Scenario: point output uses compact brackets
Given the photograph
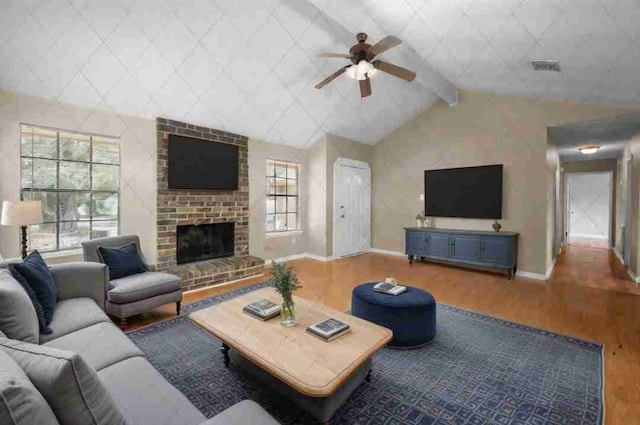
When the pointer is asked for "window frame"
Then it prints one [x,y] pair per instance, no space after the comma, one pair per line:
[25,128]
[286,196]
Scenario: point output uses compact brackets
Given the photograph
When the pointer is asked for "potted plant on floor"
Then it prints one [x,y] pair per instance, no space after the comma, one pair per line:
[285,282]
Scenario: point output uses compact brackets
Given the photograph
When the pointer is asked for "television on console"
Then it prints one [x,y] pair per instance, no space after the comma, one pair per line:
[201,164]
[469,192]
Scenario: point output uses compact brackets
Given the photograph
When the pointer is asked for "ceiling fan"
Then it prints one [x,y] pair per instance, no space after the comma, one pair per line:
[363,64]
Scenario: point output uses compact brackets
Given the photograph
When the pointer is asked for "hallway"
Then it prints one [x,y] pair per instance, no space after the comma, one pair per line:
[596,268]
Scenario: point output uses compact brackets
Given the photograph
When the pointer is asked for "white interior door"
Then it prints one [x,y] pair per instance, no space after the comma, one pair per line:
[352,208]
[589,208]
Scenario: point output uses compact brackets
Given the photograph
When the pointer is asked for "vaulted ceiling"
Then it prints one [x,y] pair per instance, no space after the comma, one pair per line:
[249,66]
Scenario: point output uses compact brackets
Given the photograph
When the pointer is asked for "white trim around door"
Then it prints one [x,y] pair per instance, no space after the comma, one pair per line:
[351,207]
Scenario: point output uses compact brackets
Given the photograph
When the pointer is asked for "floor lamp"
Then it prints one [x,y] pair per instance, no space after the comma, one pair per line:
[23,214]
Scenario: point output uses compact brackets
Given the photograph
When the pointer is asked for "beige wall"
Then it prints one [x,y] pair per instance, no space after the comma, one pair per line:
[482,129]
[316,200]
[137,170]
[631,151]
[321,158]
[586,167]
[284,245]
[553,181]
[340,147]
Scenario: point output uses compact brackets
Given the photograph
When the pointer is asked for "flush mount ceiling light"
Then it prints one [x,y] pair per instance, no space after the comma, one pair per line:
[588,149]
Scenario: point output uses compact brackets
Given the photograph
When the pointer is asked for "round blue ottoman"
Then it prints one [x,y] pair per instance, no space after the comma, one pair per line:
[411,315]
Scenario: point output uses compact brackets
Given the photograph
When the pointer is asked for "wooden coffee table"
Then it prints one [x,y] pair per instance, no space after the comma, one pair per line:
[313,368]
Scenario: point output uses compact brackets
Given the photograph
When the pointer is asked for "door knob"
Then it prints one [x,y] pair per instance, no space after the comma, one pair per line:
[342,216]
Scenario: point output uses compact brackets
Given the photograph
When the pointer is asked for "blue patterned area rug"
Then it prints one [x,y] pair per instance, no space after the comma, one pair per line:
[478,370]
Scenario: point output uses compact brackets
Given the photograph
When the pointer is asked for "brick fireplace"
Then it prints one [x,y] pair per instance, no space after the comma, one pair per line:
[186,213]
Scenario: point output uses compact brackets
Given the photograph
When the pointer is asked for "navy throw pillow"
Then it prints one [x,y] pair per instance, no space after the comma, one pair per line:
[37,274]
[122,261]
[44,328]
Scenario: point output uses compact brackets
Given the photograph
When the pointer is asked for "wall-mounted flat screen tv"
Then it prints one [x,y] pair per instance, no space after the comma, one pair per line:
[201,164]
[470,192]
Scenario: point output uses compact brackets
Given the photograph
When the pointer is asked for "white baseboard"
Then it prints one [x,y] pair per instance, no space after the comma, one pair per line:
[630,272]
[632,275]
[615,251]
[320,258]
[529,275]
[589,236]
[551,266]
[287,258]
[388,252]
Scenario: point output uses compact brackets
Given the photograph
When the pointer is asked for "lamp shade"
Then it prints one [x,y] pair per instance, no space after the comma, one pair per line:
[21,213]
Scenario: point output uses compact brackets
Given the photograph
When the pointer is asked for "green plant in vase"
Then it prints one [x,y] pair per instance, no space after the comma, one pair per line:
[285,282]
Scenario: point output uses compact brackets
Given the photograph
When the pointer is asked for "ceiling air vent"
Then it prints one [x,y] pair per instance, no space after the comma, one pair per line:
[546,66]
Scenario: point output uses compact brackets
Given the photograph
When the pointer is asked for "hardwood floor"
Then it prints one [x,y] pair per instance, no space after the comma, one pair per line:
[588,296]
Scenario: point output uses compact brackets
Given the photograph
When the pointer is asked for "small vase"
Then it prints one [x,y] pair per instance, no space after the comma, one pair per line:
[496,226]
[287,312]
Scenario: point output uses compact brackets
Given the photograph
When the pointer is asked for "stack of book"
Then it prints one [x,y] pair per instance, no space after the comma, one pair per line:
[329,329]
[262,309]
[389,288]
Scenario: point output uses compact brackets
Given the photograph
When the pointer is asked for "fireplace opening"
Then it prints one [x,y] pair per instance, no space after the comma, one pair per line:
[204,242]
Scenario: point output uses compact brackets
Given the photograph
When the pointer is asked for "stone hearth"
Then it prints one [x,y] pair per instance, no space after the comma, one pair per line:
[214,272]
[186,207]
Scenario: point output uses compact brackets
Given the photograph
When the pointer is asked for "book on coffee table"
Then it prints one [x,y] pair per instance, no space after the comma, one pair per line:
[389,288]
[329,329]
[262,309]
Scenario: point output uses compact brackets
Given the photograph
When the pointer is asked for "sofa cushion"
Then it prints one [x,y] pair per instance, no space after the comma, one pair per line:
[74,314]
[145,397]
[20,401]
[122,261]
[42,322]
[142,286]
[100,345]
[18,319]
[245,412]
[37,274]
[69,385]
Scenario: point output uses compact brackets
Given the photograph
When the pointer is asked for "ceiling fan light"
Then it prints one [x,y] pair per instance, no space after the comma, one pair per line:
[352,72]
[360,71]
[588,149]
[365,68]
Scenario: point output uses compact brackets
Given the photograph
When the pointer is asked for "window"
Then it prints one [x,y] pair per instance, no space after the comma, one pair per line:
[283,211]
[77,178]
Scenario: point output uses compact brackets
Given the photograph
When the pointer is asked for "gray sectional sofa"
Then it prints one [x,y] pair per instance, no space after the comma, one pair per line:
[80,327]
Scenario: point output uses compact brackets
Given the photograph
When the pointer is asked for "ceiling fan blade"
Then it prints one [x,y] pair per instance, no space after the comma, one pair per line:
[395,70]
[384,45]
[331,77]
[335,55]
[365,87]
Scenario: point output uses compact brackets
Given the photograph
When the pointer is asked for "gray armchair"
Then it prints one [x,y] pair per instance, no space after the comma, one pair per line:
[137,293]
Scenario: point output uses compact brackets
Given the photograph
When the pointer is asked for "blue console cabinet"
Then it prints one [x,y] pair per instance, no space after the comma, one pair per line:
[496,251]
